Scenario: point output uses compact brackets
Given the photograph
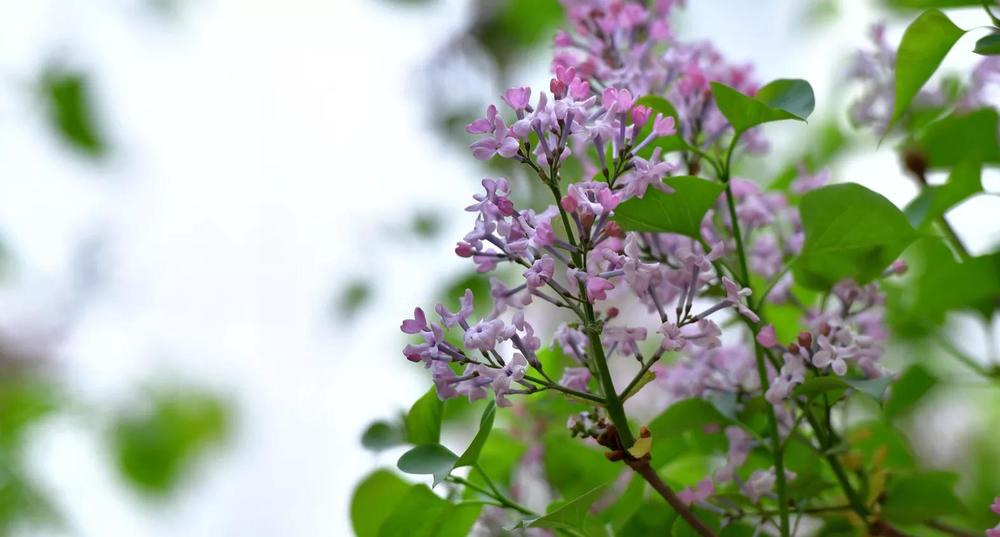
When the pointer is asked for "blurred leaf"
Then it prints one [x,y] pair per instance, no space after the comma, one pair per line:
[681,528]
[510,27]
[850,232]
[962,136]
[22,504]
[499,457]
[971,284]
[874,388]
[157,443]
[925,43]
[426,224]
[374,498]
[881,444]
[667,429]
[383,435]
[423,421]
[678,212]
[477,282]
[935,200]
[428,459]
[650,518]
[909,390]
[918,497]
[563,459]
[68,98]
[421,513]
[471,455]
[354,296]
[776,101]
[988,45]
[24,400]
[570,515]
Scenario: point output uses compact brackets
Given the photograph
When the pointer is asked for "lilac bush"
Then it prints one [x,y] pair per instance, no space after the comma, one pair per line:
[655,282]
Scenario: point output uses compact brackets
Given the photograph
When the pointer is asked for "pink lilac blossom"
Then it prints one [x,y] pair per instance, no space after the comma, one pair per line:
[573,256]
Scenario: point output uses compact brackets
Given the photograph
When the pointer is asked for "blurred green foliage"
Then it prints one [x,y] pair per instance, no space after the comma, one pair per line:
[157,442]
[25,400]
[352,298]
[69,100]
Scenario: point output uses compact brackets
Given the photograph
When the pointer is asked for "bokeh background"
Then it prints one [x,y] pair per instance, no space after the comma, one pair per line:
[213,214]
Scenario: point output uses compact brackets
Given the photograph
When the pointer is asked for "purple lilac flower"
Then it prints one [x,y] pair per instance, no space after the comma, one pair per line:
[699,493]
[576,378]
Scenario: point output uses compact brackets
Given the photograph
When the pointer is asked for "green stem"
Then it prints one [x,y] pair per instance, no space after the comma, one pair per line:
[612,402]
[496,495]
[838,470]
[772,418]
[737,235]
[563,389]
[776,448]
[627,392]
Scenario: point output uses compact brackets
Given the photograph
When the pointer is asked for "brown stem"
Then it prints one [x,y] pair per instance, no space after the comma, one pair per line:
[643,468]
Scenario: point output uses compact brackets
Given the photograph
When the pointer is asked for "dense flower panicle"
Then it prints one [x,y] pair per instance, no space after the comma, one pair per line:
[639,295]
[876,70]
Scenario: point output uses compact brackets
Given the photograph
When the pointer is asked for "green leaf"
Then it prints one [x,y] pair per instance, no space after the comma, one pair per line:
[650,518]
[925,43]
[669,428]
[778,100]
[352,298]
[570,515]
[679,212]
[423,421]
[970,284]
[563,458]
[471,454]
[850,232]
[421,513]
[907,392]
[881,444]
[428,459]
[68,98]
[158,444]
[818,385]
[382,435]
[374,498]
[934,201]
[961,137]
[989,45]
[681,528]
[874,388]
[919,497]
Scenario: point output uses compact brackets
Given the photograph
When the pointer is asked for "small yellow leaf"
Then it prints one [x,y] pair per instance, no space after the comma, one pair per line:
[641,447]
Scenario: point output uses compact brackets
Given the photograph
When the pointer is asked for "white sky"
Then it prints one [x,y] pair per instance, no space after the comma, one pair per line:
[263,152]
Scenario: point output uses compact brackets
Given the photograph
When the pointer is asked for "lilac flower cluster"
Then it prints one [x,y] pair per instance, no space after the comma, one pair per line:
[629,45]
[875,70]
[636,295]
